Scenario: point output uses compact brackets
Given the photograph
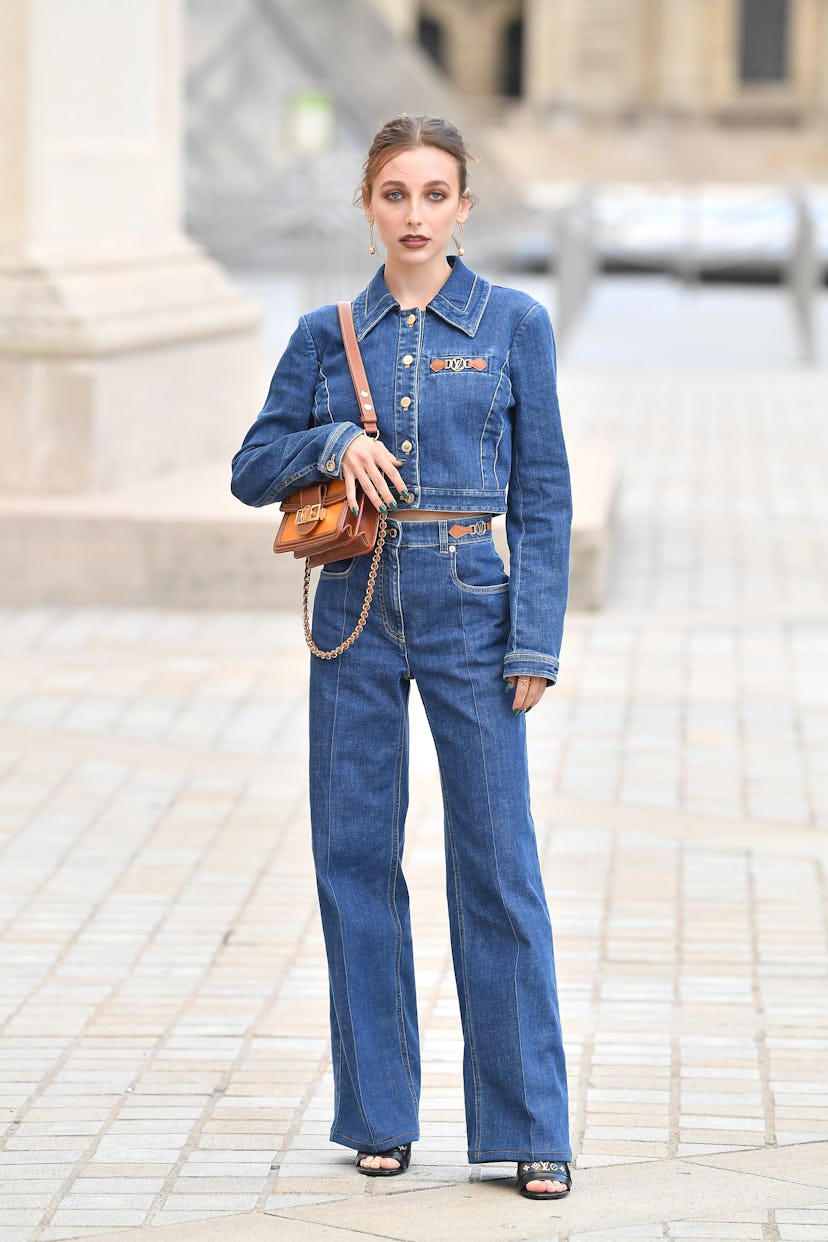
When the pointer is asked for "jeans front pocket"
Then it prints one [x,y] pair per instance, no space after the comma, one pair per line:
[476,567]
[339,569]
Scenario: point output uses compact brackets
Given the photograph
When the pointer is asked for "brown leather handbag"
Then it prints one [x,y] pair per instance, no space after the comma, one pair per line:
[318,523]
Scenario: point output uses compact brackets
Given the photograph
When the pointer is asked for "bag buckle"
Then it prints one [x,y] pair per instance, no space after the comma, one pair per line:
[310,513]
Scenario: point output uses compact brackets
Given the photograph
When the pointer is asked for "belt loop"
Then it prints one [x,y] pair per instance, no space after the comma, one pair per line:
[444,535]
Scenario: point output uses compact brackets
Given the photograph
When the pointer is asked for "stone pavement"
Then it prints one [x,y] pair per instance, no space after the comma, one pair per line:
[163,1004]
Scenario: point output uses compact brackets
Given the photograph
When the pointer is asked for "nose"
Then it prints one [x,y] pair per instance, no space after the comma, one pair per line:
[414,213]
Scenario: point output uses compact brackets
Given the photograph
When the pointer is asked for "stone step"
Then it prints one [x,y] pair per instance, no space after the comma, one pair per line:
[184,541]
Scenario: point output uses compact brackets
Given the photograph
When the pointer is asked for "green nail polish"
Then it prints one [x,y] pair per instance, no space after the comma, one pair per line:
[394,504]
[355,510]
[383,508]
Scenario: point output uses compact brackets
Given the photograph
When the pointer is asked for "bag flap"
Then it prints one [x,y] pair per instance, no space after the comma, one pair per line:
[313,494]
[328,492]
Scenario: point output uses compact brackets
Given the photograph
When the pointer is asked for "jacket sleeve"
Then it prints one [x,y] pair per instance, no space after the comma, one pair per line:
[538,505]
[286,448]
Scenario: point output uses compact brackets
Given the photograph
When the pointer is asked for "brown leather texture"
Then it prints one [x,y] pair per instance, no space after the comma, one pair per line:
[478,528]
[318,524]
[360,380]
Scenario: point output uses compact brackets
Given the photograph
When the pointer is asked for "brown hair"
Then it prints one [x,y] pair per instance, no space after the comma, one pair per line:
[404,133]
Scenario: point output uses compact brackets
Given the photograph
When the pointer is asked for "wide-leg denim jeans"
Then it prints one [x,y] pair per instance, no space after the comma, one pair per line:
[440,616]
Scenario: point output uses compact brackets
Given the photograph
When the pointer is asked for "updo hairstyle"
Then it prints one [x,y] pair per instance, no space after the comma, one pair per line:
[405,133]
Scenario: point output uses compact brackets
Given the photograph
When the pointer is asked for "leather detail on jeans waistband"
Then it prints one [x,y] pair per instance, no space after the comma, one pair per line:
[479,528]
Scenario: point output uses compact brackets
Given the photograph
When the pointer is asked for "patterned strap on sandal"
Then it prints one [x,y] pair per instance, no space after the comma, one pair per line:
[543,1171]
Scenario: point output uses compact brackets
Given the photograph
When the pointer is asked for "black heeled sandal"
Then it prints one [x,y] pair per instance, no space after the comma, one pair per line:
[543,1171]
[403,1154]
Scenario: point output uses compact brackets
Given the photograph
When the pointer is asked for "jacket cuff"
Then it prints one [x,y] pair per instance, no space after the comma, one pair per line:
[330,459]
[531,664]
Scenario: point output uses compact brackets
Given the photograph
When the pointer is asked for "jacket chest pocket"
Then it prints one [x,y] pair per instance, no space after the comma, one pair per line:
[462,406]
[470,379]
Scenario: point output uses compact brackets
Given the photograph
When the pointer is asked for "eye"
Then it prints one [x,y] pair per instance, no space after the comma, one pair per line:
[394,196]
[436,195]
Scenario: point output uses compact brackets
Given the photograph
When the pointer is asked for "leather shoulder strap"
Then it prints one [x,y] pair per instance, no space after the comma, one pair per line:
[363,393]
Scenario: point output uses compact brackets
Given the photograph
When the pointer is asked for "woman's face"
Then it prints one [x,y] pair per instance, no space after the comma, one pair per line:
[415,203]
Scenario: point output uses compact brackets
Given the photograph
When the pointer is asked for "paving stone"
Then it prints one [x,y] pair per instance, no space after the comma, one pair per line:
[102,1217]
[211,1202]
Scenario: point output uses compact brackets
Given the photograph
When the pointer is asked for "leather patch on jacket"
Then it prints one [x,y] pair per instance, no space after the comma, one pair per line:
[457,363]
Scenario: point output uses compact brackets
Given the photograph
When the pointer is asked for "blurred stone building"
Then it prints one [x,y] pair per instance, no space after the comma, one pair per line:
[739,88]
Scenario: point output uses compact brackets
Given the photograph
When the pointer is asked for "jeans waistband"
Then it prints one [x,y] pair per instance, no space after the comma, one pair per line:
[426,534]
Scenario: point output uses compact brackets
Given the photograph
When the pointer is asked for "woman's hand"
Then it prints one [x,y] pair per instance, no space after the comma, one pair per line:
[374,467]
[528,691]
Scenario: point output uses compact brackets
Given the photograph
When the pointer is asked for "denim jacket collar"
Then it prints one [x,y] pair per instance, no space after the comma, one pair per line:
[461,301]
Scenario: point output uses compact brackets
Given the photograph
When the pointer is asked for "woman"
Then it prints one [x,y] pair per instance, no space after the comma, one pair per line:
[463,379]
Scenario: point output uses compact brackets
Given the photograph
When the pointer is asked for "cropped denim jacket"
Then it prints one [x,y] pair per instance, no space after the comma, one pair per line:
[465,395]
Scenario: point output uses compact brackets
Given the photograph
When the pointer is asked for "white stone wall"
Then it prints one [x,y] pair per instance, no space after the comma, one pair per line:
[123,350]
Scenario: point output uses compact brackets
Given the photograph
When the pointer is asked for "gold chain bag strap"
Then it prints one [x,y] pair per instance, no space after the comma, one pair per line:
[318,523]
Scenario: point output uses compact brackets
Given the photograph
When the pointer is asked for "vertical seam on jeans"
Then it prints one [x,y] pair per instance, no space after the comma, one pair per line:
[357,1089]
[461,931]
[485,772]
[392,901]
[385,579]
[516,558]
[337,1077]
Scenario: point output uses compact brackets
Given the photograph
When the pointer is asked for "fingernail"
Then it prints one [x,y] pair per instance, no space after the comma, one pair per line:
[517,711]
[355,510]
[506,688]
[383,508]
[394,505]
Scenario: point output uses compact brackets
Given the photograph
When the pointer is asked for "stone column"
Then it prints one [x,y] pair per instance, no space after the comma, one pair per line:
[679,69]
[720,26]
[822,52]
[474,41]
[550,53]
[400,15]
[807,53]
[124,351]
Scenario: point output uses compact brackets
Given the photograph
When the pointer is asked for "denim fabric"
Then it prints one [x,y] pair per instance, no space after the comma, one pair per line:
[441,617]
[466,398]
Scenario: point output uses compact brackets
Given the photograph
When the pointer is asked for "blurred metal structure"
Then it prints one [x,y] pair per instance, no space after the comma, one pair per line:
[577,258]
[804,275]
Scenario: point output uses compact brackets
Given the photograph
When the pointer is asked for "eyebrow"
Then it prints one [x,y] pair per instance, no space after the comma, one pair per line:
[402,184]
